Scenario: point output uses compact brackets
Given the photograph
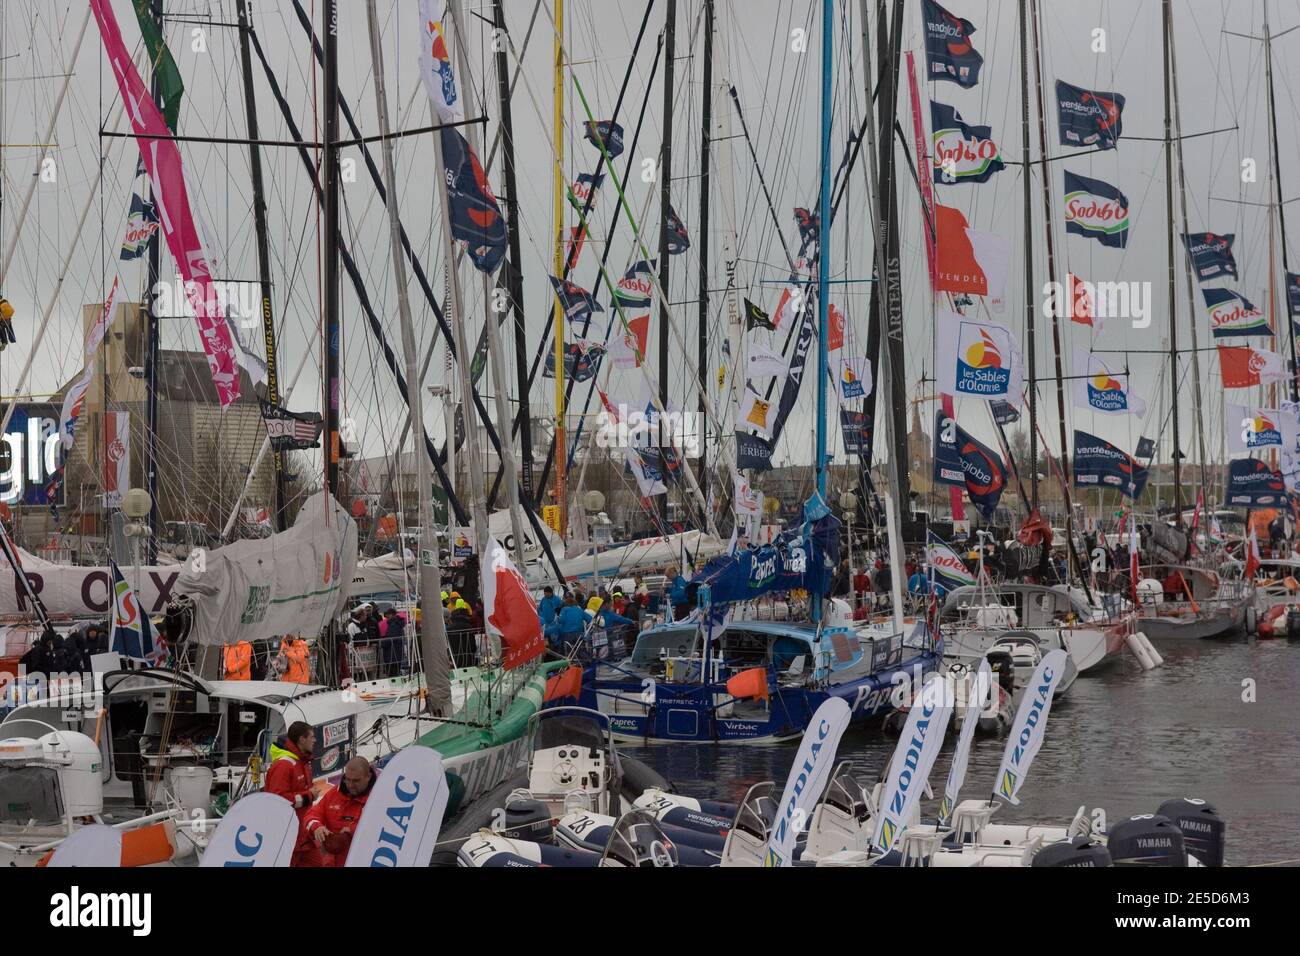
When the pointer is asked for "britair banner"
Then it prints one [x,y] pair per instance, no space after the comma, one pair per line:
[1102,390]
[961,460]
[979,359]
[403,814]
[260,829]
[948,48]
[962,153]
[1099,464]
[1030,725]
[1096,210]
[918,746]
[1087,117]
[1211,254]
[1231,313]
[1252,484]
[808,777]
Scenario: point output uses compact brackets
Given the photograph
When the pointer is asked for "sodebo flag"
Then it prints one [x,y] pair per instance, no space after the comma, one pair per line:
[808,776]
[914,757]
[403,814]
[509,609]
[1030,726]
[979,358]
[259,830]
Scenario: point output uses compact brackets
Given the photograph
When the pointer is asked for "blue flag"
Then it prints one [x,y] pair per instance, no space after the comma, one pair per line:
[1087,117]
[1098,464]
[1252,484]
[476,218]
[678,241]
[809,223]
[637,285]
[962,153]
[1232,314]
[1095,209]
[948,48]
[753,452]
[1146,448]
[1293,296]
[581,361]
[961,460]
[141,221]
[576,301]
[1211,254]
[1004,413]
[132,631]
[856,428]
[607,132]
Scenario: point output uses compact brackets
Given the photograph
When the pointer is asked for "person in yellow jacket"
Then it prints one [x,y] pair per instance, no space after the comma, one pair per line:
[238,660]
[297,659]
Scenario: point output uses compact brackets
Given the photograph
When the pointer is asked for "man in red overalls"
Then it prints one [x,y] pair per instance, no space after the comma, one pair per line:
[290,776]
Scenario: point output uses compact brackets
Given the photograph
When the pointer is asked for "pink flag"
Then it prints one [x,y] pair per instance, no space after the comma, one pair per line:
[163,161]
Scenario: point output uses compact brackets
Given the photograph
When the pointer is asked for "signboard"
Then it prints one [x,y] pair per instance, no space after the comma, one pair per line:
[551,515]
[30,454]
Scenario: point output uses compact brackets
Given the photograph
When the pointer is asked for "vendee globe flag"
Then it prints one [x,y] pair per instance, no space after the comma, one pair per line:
[509,609]
[979,359]
[969,260]
[961,460]
[1252,484]
[1098,463]
[945,564]
[476,218]
[1211,254]
[1087,117]
[1098,388]
[962,153]
[1095,209]
[1293,297]
[948,47]
[1231,313]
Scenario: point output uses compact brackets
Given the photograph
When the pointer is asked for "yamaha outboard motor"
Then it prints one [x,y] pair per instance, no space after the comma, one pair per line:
[1146,840]
[1204,832]
[527,819]
[1080,851]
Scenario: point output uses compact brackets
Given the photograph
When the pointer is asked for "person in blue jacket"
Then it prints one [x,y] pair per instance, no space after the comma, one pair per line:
[549,606]
[677,594]
[569,624]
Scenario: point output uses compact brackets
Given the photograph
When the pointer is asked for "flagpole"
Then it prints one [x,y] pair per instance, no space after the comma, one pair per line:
[557,309]
[1172,283]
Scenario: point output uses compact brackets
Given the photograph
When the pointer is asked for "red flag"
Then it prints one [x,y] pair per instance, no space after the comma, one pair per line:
[509,609]
[969,261]
[577,236]
[1081,303]
[1242,367]
[567,683]
[835,332]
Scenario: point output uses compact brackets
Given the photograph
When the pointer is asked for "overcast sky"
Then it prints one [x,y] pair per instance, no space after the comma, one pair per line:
[1221,87]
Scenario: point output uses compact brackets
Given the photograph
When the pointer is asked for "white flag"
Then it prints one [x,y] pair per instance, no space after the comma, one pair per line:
[979,358]
[403,814]
[978,694]
[762,361]
[649,485]
[260,829]
[918,746]
[808,776]
[756,413]
[855,377]
[1249,428]
[94,845]
[435,66]
[748,501]
[1030,726]
[1098,388]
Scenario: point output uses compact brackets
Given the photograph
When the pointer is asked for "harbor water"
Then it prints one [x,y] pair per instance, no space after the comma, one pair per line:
[1217,721]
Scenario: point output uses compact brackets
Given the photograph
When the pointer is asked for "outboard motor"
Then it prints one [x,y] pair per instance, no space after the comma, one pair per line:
[1147,839]
[1204,831]
[527,819]
[1077,852]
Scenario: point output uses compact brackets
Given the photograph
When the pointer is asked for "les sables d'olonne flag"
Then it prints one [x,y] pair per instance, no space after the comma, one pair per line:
[1098,388]
[509,609]
[1245,366]
[162,159]
[979,358]
[969,260]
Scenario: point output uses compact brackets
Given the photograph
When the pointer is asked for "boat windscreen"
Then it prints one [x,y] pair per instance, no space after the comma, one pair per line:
[30,795]
[569,728]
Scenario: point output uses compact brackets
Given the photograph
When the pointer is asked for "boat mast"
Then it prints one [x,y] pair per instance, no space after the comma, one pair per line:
[330,319]
[706,129]
[557,266]
[665,202]
[1281,208]
[1030,293]
[515,278]
[153,337]
[263,274]
[1169,251]
[433,635]
[823,258]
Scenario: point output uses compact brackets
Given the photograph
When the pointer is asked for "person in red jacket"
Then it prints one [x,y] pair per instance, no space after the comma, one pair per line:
[333,820]
[290,776]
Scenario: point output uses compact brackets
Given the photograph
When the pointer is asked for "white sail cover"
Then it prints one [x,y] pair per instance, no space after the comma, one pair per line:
[70,591]
[684,549]
[290,583]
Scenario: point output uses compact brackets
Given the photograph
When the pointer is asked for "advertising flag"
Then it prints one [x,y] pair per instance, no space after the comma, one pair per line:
[1098,464]
[1030,725]
[1242,367]
[1096,210]
[945,564]
[856,429]
[402,816]
[752,452]
[1231,313]
[948,48]
[1098,388]
[918,746]
[1211,254]
[581,360]
[756,413]
[675,229]
[969,260]
[1087,117]
[979,359]
[260,829]
[605,132]
[1003,413]
[583,192]
[142,220]
[962,153]
[977,695]
[509,608]
[1146,448]
[1248,428]
[435,66]
[116,465]
[627,350]
[855,377]
[1252,484]
[756,318]
[835,329]
[961,460]
[576,302]
[1293,298]
[476,218]
[132,630]
[762,361]
[635,289]
[1081,308]
[809,774]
